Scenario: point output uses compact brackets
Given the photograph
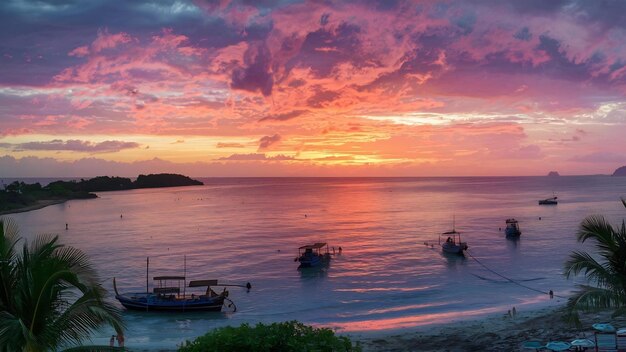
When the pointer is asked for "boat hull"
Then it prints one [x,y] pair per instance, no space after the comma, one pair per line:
[453,248]
[153,303]
[311,261]
[512,233]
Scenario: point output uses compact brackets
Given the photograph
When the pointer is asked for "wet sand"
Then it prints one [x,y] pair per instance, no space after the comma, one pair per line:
[501,333]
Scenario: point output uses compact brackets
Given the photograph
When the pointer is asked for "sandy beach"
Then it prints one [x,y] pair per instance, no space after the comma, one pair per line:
[501,333]
[40,204]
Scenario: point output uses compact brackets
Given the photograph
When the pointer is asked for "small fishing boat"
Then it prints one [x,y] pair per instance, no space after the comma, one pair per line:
[549,201]
[166,295]
[512,228]
[453,243]
[313,255]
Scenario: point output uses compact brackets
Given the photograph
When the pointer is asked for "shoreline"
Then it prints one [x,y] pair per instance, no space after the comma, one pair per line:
[39,205]
[492,333]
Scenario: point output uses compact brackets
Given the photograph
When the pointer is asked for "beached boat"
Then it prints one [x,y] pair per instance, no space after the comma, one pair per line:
[313,255]
[512,228]
[549,201]
[166,295]
[452,243]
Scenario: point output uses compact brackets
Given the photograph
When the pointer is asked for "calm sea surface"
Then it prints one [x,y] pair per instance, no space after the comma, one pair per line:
[248,230]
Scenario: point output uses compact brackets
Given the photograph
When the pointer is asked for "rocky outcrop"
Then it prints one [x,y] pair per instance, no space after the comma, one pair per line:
[620,171]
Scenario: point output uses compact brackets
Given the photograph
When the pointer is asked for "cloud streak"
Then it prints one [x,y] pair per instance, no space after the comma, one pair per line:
[73,145]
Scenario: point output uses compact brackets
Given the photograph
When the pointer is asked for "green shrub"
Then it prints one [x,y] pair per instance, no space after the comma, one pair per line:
[277,337]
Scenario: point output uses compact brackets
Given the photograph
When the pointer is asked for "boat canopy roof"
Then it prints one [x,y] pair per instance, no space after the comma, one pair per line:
[453,232]
[318,245]
[202,283]
[163,278]
[508,221]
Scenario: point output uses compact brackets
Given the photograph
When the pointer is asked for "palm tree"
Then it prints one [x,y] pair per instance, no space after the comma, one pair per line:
[608,277]
[50,296]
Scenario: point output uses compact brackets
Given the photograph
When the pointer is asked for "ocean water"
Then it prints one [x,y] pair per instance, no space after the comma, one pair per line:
[248,230]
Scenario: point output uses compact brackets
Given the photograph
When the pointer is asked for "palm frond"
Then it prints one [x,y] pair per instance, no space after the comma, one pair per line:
[589,298]
[594,271]
[54,295]
[595,227]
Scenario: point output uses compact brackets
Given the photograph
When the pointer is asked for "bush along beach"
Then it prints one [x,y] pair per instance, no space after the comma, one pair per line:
[280,337]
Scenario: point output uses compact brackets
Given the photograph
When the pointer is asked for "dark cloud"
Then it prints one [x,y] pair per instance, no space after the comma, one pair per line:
[322,97]
[73,145]
[267,141]
[326,48]
[523,34]
[256,75]
[283,117]
[255,157]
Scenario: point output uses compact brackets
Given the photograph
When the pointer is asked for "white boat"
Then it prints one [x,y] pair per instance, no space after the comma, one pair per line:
[452,243]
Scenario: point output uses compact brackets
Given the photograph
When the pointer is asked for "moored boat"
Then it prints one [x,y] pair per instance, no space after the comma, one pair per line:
[313,255]
[453,243]
[549,201]
[512,228]
[166,295]
[169,298]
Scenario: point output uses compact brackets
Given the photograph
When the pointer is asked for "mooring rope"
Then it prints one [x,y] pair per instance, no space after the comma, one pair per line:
[509,279]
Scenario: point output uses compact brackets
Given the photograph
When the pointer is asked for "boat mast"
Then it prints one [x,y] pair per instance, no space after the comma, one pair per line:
[184,275]
[147,266]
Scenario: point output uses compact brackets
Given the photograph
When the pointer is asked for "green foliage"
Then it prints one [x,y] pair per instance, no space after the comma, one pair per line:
[607,277]
[49,294]
[277,337]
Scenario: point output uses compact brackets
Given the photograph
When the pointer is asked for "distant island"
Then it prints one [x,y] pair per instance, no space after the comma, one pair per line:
[19,196]
[621,171]
[553,173]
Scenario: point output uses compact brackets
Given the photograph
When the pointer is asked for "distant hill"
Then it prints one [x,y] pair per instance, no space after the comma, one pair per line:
[553,173]
[620,171]
[165,180]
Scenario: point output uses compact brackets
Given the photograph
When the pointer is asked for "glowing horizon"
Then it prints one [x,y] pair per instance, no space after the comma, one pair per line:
[303,88]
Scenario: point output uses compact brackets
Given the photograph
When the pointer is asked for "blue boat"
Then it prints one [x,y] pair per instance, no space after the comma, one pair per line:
[313,255]
[512,228]
[167,297]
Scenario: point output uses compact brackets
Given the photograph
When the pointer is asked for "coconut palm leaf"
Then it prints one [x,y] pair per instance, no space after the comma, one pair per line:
[606,271]
[53,297]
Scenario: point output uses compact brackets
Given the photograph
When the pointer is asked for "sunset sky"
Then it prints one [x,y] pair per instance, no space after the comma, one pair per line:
[312,88]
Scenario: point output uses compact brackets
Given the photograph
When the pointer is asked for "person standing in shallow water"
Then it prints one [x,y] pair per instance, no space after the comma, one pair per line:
[112,341]
[120,339]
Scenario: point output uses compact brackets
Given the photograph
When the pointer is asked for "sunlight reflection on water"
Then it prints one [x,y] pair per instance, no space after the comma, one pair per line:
[240,230]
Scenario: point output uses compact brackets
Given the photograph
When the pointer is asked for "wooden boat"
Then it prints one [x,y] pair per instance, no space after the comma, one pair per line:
[313,255]
[167,296]
[512,228]
[549,201]
[453,243]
